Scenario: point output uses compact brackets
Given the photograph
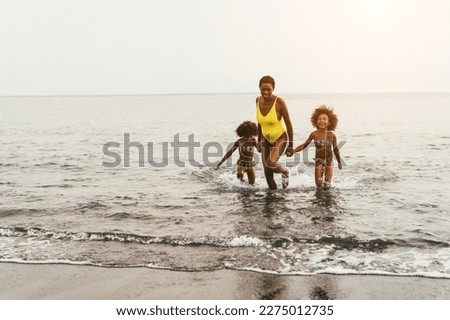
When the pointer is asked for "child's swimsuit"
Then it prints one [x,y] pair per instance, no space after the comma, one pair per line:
[245,159]
[272,128]
[324,153]
[246,164]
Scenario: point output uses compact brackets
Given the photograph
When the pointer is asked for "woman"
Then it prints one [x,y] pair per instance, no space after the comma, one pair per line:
[273,137]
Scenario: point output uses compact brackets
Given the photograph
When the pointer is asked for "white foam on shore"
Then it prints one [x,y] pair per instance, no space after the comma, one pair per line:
[245,241]
[268,255]
[284,271]
[341,272]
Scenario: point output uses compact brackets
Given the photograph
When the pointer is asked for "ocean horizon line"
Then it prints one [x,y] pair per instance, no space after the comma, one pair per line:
[222,93]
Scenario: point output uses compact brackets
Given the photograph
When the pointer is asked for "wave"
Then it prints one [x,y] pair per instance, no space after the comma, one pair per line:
[422,274]
[92,205]
[17,212]
[275,255]
[103,265]
[434,275]
[7,183]
[9,164]
[63,185]
[119,216]
[339,243]
[39,233]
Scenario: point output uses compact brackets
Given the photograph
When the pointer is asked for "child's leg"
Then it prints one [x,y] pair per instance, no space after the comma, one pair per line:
[328,173]
[319,175]
[240,173]
[251,175]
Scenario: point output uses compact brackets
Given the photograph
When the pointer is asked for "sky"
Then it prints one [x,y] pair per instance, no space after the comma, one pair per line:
[96,47]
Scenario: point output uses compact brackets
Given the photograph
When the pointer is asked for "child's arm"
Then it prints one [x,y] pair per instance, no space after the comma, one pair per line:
[337,152]
[255,143]
[228,154]
[303,145]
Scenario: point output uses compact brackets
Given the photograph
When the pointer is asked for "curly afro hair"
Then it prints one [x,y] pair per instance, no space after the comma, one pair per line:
[332,117]
[247,129]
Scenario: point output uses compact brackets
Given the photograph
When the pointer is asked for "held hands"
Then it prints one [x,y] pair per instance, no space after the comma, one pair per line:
[289,152]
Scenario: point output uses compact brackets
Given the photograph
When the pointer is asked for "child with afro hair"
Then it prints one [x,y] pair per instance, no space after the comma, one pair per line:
[325,121]
[247,131]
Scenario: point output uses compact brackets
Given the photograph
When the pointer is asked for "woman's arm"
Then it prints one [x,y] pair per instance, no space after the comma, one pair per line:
[288,123]
[258,145]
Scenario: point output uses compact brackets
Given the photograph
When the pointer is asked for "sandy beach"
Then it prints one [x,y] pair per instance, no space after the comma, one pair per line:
[34,282]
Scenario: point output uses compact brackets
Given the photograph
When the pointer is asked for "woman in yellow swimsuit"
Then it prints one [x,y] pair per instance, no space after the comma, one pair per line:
[273,137]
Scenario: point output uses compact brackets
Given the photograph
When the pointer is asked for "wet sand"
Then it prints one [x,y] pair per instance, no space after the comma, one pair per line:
[33,281]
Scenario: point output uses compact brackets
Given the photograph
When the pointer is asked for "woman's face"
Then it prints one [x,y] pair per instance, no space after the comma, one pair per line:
[266,90]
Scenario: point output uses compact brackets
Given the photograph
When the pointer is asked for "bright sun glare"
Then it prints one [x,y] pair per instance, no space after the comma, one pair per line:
[375,7]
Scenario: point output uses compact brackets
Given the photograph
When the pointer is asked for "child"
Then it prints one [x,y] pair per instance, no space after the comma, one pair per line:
[325,121]
[247,131]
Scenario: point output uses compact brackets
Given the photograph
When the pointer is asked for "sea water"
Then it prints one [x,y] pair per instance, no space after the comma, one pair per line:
[125,181]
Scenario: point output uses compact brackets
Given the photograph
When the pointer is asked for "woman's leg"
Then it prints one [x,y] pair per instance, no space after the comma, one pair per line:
[271,156]
[268,173]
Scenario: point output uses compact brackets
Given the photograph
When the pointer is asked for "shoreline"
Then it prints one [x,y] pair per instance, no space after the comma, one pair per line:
[78,282]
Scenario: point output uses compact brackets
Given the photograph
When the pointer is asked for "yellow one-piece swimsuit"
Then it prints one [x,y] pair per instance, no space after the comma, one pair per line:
[272,128]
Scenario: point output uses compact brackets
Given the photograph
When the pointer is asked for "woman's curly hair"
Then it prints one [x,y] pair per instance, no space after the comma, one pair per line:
[247,129]
[267,79]
[332,117]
